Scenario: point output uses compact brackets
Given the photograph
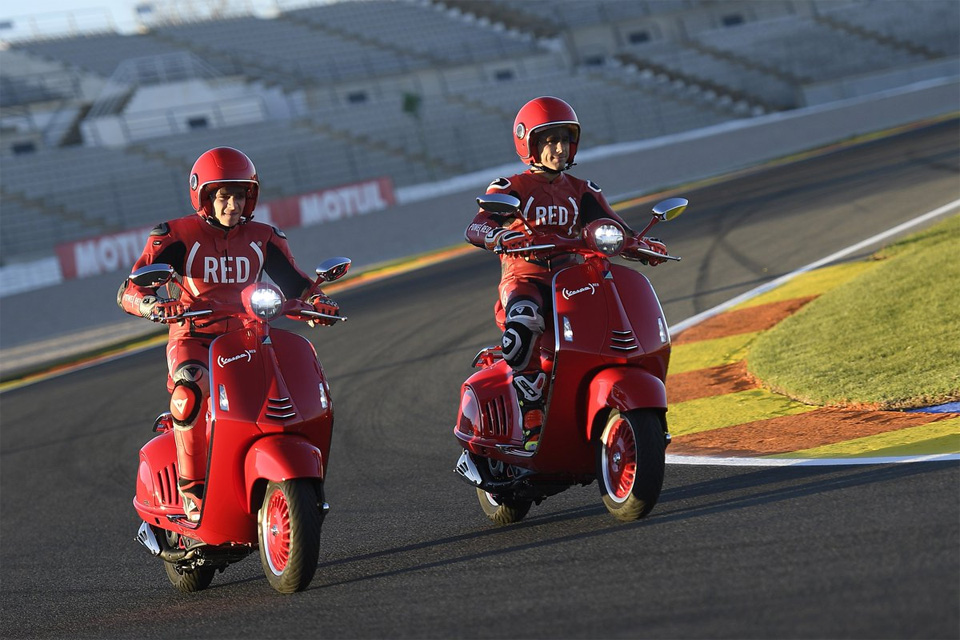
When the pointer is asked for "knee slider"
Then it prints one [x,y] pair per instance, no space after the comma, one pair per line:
[526,313]
[523,329]
[185,403]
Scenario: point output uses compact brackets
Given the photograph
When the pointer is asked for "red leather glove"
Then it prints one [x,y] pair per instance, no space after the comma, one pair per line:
[165,310]
[499,240]
[652,244]
[323,304]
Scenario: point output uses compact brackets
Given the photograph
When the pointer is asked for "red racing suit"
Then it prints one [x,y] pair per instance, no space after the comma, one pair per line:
[562,207]
[212,263]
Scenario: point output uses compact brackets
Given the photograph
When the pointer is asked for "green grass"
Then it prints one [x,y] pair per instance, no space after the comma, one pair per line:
[888,339]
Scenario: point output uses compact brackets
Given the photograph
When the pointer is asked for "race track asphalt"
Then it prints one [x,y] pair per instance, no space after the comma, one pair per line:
[848,551]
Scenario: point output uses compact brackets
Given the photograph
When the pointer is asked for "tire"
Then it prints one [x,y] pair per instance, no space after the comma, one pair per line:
[288,530]
[189,580]
[503,511]
[186,580]
[630,463]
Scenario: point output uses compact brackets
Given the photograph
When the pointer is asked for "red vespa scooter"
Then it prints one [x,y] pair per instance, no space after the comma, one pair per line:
[605,417]
[269,423]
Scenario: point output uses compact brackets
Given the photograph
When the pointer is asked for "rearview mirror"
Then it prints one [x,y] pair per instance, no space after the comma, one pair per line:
[670,208]
[152,275]
[333,269]
[499,203]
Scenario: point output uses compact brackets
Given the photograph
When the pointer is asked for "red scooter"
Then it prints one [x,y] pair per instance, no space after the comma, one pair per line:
[605,416]
[269,423]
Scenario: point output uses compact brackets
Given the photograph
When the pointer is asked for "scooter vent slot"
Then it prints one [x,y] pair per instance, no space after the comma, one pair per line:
[167,485]
[495,421]
[280,408]
[623,341]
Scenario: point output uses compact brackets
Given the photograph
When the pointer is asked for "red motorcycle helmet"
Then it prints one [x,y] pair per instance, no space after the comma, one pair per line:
[539,114]
[217,167]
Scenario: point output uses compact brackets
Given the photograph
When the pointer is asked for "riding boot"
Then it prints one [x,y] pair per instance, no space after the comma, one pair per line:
[531,387]
[191,466]
[191,495]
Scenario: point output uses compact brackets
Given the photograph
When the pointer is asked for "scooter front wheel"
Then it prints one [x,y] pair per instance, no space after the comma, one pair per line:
[288,529]
[631,462]
[503,511]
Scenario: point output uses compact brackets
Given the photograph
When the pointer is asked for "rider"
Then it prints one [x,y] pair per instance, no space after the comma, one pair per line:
[215,255]
[546,134]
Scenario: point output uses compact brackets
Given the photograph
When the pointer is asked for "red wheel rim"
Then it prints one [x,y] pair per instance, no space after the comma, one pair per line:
[620,460]
[276,531]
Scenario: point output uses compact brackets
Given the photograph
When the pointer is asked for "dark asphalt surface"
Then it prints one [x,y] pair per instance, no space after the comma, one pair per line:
[730,552]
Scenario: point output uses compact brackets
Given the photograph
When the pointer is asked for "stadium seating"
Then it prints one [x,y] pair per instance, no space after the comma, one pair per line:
[416,90]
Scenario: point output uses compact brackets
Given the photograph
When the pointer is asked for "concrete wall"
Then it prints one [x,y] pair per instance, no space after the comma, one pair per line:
[824,92]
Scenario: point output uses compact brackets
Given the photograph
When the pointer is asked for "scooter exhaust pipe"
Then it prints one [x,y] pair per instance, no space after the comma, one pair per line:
[467,470]
[148,539]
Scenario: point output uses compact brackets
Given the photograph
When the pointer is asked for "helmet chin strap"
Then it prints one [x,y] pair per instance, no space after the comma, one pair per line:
[214,222]
[543,169]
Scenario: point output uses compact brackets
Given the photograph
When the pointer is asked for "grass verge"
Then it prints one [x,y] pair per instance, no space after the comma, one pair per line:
[888,339]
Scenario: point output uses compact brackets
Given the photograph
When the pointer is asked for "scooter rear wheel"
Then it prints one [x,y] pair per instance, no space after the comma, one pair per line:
[630,463]
[183,579]
[189,580]
[288,529]
[503,511]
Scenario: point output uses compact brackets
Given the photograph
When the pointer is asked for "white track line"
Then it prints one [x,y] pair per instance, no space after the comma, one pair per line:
[718,461]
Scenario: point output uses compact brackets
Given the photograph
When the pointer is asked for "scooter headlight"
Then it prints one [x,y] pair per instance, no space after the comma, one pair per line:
[608,238]
[262,301]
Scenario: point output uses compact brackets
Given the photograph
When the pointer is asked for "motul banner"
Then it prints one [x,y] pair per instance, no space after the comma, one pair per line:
[118,251]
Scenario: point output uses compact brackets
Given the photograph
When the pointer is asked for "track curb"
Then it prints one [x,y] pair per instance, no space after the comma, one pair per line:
[723,413]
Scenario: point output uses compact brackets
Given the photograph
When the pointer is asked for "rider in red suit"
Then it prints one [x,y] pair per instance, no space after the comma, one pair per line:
[546,133]
[215,254]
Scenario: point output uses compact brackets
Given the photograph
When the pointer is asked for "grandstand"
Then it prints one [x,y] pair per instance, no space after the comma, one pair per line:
[100,128]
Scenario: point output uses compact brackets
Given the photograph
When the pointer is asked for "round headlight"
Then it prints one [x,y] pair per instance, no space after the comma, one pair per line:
[265,302]
[608,238]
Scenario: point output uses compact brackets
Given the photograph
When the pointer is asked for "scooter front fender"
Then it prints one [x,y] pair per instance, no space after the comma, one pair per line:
[281,457]
[623,389]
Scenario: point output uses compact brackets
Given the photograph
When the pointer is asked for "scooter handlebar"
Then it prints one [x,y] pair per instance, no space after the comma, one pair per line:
[185,316]
[316,314]
[577,245]
[647,252]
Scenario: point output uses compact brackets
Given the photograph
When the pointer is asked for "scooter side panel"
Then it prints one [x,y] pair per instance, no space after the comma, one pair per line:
[495,414]
[156,495]
[224,519]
